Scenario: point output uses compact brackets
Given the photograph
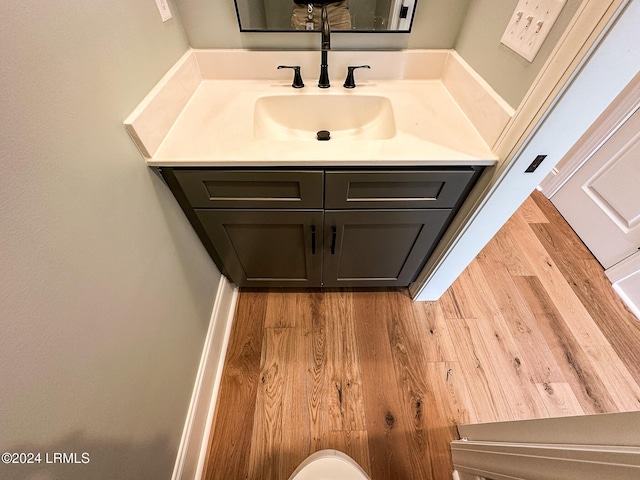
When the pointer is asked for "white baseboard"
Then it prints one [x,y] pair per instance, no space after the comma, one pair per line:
[193,445]
[625,278]
[465,476]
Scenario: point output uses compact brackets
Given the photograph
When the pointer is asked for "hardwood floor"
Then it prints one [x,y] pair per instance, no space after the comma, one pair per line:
[531,329]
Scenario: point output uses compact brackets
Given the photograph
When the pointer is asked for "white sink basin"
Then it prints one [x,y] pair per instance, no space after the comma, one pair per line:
[346,117]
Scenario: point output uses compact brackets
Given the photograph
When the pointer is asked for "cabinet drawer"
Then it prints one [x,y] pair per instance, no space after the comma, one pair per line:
[396,189]
[251,188]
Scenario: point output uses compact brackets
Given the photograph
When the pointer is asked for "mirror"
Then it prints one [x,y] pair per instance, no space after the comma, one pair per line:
[344,15]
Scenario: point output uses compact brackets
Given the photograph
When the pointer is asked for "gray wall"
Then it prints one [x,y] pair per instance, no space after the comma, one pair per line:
[508,73]
[105,292]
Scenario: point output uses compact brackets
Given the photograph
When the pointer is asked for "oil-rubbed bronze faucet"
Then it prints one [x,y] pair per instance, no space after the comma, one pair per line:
[297,78]
[323,81]
[350,82]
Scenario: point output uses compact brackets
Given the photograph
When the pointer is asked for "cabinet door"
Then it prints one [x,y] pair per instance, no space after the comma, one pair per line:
[378,247]
[267,248]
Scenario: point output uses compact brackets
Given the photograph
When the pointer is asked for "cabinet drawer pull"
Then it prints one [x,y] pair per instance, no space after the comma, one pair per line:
[333,240]
[313,239]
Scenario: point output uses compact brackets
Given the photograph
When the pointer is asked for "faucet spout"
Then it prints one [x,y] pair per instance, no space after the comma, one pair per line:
[326,29]
[323,82]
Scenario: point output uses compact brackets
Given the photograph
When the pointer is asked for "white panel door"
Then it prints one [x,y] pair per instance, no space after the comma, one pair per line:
[601,201]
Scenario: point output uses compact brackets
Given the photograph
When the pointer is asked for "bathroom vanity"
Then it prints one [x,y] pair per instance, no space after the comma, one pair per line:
[276,207]
[316,227]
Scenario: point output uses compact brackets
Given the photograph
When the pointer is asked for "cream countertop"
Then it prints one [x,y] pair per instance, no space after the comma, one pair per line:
[191,120]
[216,127]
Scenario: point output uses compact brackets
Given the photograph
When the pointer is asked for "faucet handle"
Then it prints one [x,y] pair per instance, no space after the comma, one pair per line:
[297,78]
[350,81]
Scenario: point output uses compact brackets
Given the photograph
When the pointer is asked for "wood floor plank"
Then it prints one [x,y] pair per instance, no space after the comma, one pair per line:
[338,310]
[586,277]
[432,329]
[455,392]
[453,303]
[230,442]
[346,404]
[525,332]
[616,378]
[430,400]
[281,309]
[531,211]
[569,306]
[266,441]
[317,385]
[298,387]
[505,252]
[579,372]
[559,399]
[388,445]
[486,405]
[511,373]
[446,392]
[406,354]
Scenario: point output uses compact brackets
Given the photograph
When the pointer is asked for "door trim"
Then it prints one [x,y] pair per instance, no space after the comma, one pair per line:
[555,448]
[515,461]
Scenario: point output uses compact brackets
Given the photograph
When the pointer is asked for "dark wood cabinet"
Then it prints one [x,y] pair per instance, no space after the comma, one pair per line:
[267,247]
[376,248]
[316,227]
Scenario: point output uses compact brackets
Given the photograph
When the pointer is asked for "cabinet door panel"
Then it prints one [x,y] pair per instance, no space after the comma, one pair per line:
[379,247]
[251,188]
[396,189]
[267,247]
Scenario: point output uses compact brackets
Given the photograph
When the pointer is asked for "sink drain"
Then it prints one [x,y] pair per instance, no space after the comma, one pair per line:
[323,135]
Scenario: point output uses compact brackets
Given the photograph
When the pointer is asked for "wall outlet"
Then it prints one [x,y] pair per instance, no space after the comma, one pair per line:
[163,8]
[530,24]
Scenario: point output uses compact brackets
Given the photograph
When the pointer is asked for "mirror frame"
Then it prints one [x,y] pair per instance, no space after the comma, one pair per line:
[265,30]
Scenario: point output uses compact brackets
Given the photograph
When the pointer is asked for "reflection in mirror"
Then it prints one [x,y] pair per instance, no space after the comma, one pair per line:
[344,15]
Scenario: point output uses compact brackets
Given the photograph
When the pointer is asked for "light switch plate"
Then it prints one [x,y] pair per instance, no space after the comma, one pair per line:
[530,24]
[163,8]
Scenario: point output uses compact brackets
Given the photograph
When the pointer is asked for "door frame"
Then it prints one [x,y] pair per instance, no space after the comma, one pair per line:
[395,22]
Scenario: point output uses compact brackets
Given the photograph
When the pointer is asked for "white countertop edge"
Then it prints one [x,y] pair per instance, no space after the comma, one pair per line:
[195,163]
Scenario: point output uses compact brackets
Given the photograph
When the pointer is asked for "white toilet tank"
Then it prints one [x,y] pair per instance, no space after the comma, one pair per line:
[329,465]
